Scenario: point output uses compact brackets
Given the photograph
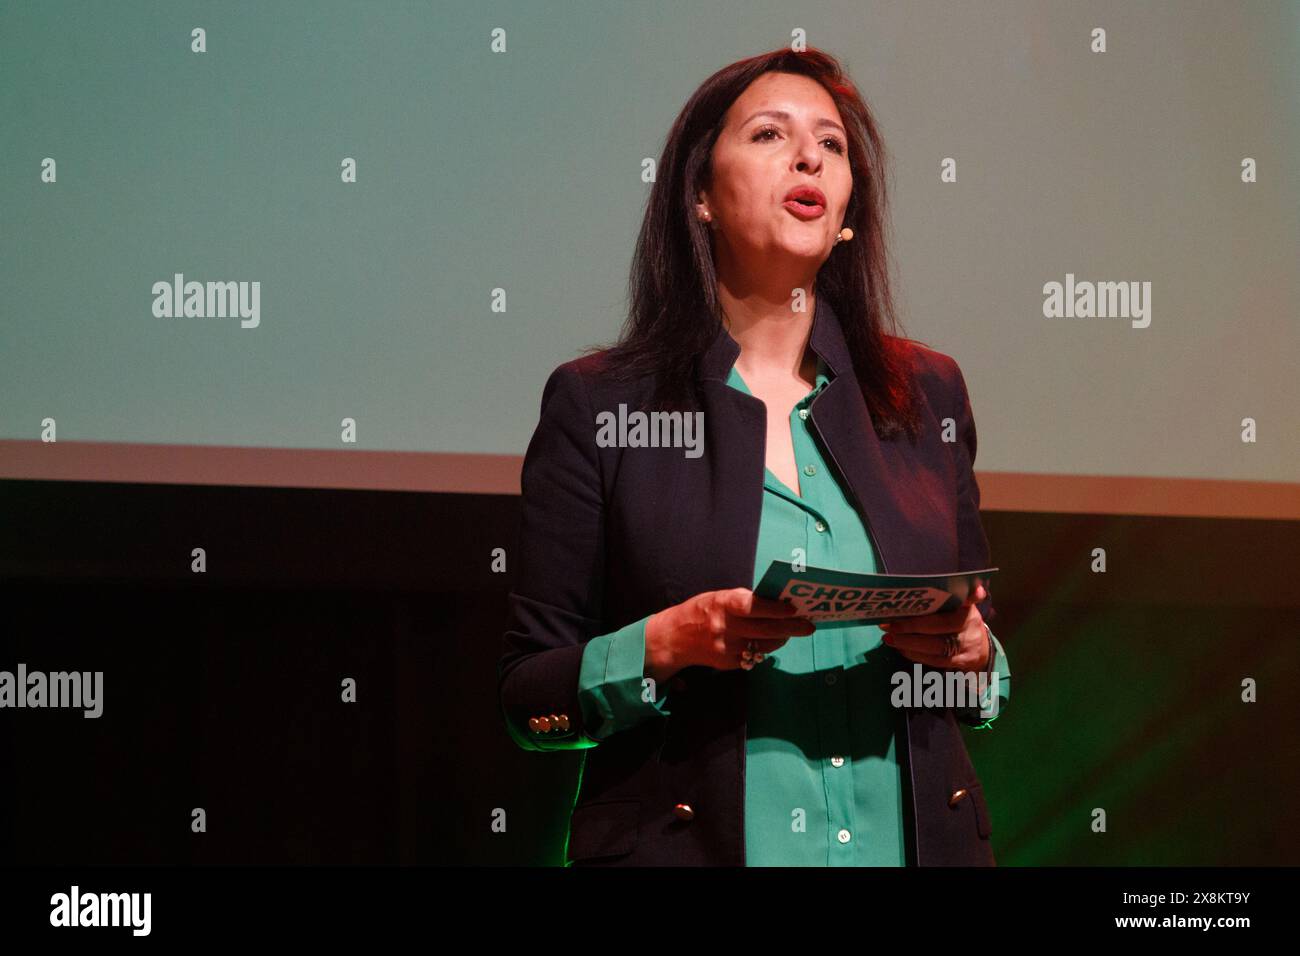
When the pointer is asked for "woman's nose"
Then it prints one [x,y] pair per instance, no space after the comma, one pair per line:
[808,157]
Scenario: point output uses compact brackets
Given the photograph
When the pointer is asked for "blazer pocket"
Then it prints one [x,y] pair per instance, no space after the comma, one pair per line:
[972,796]
[983,821]
[603,829]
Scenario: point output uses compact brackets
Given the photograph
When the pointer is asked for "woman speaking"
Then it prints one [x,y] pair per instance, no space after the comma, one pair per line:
[718,728]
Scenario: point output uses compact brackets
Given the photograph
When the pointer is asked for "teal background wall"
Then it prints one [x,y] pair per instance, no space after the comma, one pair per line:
[522,171]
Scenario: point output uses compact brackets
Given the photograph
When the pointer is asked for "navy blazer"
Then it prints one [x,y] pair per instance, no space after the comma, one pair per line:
[609,535]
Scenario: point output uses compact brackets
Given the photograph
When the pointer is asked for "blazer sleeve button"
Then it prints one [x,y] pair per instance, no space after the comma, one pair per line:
[956,797]
[563,721]
[683,811]
[544,724]
[534,725]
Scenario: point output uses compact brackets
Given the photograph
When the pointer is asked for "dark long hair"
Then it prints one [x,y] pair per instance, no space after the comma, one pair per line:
[674,310]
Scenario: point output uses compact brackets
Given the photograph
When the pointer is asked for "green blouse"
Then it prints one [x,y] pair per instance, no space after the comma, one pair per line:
[822,778]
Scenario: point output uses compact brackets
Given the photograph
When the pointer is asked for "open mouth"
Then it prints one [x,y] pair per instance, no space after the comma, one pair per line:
[809,197]
[804,208]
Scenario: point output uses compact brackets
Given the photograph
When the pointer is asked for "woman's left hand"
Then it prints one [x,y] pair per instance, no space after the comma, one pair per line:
[922,638]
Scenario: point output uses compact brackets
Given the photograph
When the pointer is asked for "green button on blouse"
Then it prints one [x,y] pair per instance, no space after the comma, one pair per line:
[822,783]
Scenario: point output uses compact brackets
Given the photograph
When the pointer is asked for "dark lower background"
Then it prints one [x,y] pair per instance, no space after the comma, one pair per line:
[222,690]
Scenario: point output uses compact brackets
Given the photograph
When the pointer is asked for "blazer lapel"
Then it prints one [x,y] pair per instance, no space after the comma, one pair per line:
[735,439]
[736,430]
[841,418]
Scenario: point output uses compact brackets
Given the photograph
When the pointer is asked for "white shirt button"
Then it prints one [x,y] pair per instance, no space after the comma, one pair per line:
[837,761]
[845,836]
[820,526]
[803,414]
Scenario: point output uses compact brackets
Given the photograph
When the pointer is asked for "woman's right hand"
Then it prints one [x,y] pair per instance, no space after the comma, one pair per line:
[712,629]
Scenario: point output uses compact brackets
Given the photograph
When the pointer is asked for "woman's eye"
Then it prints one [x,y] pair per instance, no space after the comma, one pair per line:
[835,143]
